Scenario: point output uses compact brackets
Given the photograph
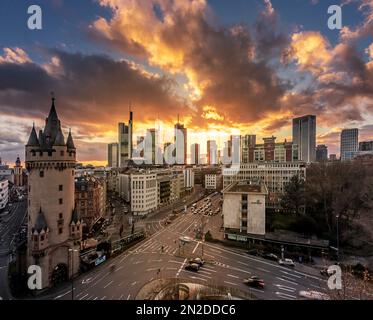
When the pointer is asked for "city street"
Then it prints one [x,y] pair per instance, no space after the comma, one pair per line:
[9,227]
[147,261]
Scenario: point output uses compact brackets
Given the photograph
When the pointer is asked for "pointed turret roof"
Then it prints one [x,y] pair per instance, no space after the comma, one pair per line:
[60,139]
[40,223]
[52,126]
[33,139]
[70,141]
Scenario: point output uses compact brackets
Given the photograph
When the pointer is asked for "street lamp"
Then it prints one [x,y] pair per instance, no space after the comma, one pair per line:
[72,271]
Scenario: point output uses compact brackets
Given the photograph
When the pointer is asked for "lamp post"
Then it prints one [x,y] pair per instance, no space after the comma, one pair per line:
[72,271]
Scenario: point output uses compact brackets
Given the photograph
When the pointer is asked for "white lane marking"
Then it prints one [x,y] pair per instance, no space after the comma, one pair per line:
[103,298]
[108,284]
[231,283]
[257,290]
[121,296]
[292,282]
[291,274]
[209,255]
[209,269]
[83,296]
[151,269]
[215,250]
[193,277]
[128,296]
[286,289]
[158,260]
[138,262]
[288,278]
[181,267]
[195,248]
[232,276]
[282,286]
[285,295]
[264,270]
[173,261]
[95,298]
[61,295]
[240,262]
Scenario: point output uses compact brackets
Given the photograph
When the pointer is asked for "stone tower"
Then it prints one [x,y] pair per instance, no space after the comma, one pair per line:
[18,176]
[54,229]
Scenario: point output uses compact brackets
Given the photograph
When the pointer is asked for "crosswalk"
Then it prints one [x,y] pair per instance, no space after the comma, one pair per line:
[156,247]
[287,289]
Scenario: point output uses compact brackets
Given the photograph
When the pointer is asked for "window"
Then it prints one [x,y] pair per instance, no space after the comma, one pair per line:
[60,187]
[72,229]
[41,174]
[29,188]
[59,230]
[77,228]
[244,224]
[42,238]
[35,238]
[60,201]
[62,153]
[60,216]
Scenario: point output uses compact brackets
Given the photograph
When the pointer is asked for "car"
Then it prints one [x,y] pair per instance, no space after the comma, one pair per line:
[286,262]
[313,295]
[270,256]
[192,267]
[254,281]
[198,261]
[185,239]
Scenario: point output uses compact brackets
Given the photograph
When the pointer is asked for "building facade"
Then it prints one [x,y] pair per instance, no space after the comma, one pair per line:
[212,152]
[90,199]
[113,155]
[304,136]
[4,192]
[366,146]
[321,153]
[181,138]
[349,143]
[195,157]
[144,193]
[188,179]
[274,175]
[248,143]
[54,229]
[125,146]
[244,209]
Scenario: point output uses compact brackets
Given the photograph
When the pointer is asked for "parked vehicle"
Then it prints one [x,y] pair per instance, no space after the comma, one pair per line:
[198,261]
[286,262]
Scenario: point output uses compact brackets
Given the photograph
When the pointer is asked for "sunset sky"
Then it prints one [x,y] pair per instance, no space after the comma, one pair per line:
[227,67]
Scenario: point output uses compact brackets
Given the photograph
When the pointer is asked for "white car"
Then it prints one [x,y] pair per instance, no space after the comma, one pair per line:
[185,239]
[286,262]
[313,295]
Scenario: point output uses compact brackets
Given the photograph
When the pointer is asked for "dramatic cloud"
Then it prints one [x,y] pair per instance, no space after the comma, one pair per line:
[224,67]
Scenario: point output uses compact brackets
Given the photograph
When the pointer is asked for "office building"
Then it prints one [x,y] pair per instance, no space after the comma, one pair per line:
[244,210]
[366,146]
[180,139]
[195,154]
[113,153]
[321,153]
[349,143]
[248,143]
[4,192]
[304,136]
[274,175]
[144,193]
[212,152]
[125,146]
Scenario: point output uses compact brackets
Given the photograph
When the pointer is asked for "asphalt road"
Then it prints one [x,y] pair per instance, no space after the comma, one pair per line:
[9,227]
[146,261]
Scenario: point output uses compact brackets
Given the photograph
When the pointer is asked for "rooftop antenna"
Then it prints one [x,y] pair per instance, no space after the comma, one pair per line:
[53,96]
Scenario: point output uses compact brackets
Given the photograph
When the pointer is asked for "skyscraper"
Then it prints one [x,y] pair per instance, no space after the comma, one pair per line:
[113,155]
[125,146]
[194,154]
[304,135]
[180,143]
[247,141]
[321,153]
[54,228]
[349,143]
[366,146]
[212,152]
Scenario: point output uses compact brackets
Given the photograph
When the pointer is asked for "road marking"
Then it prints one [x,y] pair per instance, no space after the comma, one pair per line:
[288,289]
[240,262]
[232,276]
[264,270]
[61,295]
[129,295]
[291,274]
[103,298]
[181,267]
[288,278]
[108,284]
[138,262]
[159,260]
[195,248]
[285,295]
[121,296]
[231,283]
[257,290]
[173,261]
[83,296]
[209,255]
[133,283]
[292,282]
[151,269]
[95,298]
[194,277]
[212,270]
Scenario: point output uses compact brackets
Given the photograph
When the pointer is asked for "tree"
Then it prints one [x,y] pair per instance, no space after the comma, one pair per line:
[293,200]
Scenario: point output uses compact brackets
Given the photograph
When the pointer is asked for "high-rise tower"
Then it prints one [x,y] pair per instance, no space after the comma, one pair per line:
[54,229]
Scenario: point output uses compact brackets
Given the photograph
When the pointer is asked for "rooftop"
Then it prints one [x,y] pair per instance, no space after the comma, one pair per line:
[246,187]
